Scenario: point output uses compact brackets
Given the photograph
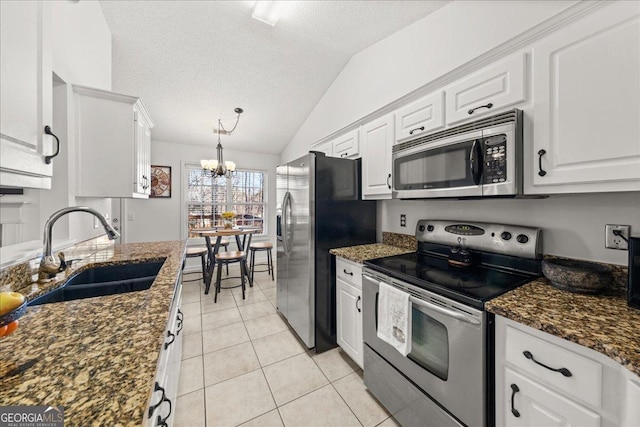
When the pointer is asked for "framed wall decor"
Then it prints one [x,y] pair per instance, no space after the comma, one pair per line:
[160,181]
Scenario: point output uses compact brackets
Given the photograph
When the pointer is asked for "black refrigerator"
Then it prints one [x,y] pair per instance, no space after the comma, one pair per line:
[319,208]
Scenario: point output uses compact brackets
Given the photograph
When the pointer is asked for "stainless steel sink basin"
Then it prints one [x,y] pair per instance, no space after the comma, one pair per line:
[105,280]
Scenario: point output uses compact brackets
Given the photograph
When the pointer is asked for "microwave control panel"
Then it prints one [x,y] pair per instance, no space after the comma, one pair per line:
[495,159]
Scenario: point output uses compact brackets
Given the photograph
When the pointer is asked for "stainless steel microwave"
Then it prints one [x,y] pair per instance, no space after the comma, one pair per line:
[478,159]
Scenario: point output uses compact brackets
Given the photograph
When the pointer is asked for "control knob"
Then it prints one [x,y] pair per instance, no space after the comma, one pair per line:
[429,227]
[421,228]
[522,238]
[505,235]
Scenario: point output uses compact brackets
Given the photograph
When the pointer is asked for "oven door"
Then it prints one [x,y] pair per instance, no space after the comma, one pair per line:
[447,358]
[450,167]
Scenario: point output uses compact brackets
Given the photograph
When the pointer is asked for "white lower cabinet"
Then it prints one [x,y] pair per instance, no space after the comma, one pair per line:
[161,408]
[534,405]
[543,380]
[349,309]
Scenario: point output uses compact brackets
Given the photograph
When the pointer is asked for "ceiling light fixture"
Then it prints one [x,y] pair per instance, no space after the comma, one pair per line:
[268,12]
[218,167]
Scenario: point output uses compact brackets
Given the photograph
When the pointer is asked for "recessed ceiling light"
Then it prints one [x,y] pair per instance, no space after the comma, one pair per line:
[268,11]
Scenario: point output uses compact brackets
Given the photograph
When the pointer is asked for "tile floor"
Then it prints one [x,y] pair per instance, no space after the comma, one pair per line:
[242,365]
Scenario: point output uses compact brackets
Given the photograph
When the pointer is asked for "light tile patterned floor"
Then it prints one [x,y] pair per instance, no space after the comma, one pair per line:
[242,365]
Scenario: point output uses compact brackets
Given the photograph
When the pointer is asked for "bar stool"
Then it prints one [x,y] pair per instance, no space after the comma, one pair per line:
[201,252]
[227,258]
[256,247]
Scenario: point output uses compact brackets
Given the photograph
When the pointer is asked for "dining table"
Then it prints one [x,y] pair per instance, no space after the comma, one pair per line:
[243,241]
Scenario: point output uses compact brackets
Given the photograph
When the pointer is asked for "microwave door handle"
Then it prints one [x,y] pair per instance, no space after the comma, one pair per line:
[475,161]
[445,311]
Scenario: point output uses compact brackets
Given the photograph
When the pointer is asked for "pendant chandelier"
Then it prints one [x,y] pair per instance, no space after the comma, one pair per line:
[218,167]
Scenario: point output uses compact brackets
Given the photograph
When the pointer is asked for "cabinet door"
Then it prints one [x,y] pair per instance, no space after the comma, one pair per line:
[325,147]
[377,142]
[419,117]
[586,123]
[142,165]
[347,145]
[533,405]
[349,320]
[631,411]
[490,89]
[26,88]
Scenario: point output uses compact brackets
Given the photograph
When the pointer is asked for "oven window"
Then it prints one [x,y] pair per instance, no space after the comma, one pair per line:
[430,344]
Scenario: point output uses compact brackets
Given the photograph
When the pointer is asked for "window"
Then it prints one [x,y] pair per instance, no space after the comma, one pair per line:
[208,197]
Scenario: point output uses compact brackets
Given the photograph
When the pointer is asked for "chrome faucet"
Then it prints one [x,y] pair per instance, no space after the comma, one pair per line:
[48,266]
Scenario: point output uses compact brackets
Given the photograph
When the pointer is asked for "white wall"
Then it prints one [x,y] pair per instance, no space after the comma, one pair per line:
[415,56]
[81,44]
[572,225]
[160,219]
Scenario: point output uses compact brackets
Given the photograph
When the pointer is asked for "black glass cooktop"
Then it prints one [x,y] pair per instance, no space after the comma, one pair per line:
[470,285]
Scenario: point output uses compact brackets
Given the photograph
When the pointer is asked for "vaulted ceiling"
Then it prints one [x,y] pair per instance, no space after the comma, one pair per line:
[193,62]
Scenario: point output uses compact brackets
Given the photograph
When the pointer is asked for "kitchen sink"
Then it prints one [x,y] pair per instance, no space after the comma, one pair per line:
[105,280]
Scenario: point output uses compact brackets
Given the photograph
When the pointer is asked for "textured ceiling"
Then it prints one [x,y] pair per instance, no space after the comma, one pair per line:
[194,61]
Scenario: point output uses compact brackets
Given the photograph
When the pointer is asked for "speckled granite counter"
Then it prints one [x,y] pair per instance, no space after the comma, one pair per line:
[361,253]
[603,323]
[97,356]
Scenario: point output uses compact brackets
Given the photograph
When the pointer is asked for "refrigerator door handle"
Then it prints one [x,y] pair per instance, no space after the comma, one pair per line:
[286,209]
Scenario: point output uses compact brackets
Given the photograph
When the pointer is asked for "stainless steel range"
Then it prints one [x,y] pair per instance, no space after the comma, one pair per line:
[447,377]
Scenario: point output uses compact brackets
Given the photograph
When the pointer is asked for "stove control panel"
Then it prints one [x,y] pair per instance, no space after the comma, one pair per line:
[515,240]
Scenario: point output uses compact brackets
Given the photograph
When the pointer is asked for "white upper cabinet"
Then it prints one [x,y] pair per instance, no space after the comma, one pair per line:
[586,121]
[377,140]
[324,147]
[114,144]
[420,117]
[493,88]
[347,145]
[26,88]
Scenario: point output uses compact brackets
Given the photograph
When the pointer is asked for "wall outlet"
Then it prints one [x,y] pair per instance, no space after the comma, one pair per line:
[403,220]
[613,241]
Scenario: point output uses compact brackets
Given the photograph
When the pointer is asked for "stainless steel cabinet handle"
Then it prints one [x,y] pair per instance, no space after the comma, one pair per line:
[563,371]
[541,171]
[47,159]
[514,390]
[487,106]
[161,421]
[173,338]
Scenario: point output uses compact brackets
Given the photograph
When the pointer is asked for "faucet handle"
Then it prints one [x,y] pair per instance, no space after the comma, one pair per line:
[63,264]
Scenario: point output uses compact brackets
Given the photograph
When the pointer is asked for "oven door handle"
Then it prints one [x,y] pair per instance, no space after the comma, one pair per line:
[444,311]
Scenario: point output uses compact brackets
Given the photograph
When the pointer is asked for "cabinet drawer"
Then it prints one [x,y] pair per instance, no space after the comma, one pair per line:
[492,88]
[529,354]
[531,404]
[347,145]
[349,271]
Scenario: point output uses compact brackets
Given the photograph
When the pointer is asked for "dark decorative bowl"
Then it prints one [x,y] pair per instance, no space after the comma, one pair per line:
[577,276]
[14,314]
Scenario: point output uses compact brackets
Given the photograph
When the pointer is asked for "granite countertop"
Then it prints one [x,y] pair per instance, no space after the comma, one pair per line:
[96,356]
[604,323]
[361,253]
